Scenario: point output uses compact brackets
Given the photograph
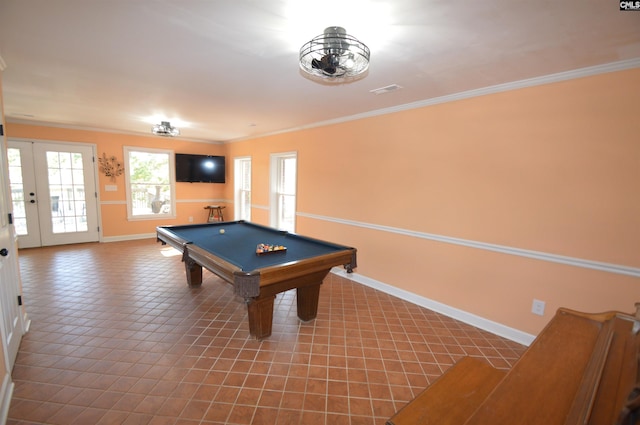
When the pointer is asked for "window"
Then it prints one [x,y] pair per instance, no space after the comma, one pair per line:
[150,183]
[242,188]
[283,191]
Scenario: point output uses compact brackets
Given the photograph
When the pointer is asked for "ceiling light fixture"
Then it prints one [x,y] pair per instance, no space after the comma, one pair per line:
[334,55]
[165,129]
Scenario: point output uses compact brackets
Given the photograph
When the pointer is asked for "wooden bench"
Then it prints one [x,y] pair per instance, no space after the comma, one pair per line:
[581,369]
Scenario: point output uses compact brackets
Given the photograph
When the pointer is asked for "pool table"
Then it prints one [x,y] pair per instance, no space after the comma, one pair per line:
[228,249]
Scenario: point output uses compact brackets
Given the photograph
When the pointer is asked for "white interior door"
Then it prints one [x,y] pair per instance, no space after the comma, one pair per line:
[11,323]
[54,192]
[12,327]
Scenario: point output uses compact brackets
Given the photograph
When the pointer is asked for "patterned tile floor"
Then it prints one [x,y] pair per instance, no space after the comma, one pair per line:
[117,337]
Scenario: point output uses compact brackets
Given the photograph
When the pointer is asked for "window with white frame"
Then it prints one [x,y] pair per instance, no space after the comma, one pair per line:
[150,183]
[242,188]
[283,190]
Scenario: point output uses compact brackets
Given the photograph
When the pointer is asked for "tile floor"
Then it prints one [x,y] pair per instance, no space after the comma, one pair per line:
[117,337]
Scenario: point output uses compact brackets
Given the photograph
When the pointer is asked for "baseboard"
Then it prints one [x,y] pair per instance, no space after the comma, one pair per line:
[26,323]
[466,317]
[128,237]
[6,391]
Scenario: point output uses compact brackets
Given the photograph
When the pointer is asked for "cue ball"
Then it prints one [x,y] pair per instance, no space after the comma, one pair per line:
[221,231]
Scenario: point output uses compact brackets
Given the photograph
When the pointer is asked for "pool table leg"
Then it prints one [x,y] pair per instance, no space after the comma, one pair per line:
[307,297]
[194,272]
[260,316]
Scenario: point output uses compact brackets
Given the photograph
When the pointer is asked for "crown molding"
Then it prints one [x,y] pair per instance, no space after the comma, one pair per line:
[515,85]
[530,82]
[101,130]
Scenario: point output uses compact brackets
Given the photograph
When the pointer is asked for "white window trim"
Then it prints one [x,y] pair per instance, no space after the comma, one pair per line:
[172,184]
[237,179]
[273,187]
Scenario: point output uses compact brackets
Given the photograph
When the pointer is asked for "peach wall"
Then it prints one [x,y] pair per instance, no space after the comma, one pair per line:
[547,168]
[553,169]
[191,197]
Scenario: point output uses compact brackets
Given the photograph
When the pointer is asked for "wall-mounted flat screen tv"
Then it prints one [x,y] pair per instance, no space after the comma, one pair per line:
[199,168]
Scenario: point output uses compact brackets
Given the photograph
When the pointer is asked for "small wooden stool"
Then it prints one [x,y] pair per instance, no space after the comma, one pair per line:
[215,213]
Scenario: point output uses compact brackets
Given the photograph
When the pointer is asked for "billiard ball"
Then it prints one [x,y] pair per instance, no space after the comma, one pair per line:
[221,231]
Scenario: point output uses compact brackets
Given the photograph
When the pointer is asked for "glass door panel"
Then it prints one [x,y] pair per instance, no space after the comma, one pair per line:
[23,194]
[66,192]
[57,204]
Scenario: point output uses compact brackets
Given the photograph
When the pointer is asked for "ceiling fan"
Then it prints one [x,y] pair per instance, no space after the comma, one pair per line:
[334,54]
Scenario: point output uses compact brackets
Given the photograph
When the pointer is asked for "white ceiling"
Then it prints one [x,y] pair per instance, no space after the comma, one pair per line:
[225,70]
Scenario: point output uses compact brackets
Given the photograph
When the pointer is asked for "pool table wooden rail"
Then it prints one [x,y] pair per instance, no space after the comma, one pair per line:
[194,256]
[259,287]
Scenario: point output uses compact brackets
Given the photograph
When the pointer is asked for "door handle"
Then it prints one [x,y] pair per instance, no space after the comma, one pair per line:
[4,252]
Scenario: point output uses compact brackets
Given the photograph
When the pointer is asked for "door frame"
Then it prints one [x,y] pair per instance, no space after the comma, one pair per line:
[94,149]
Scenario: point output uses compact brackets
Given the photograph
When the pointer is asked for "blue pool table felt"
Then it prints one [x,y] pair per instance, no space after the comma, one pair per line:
[237,245]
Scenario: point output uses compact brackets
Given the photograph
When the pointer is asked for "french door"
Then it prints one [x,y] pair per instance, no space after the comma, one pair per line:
[54,193]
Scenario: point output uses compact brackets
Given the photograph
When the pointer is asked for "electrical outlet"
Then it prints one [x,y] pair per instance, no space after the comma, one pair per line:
[538,307]
[190,219]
